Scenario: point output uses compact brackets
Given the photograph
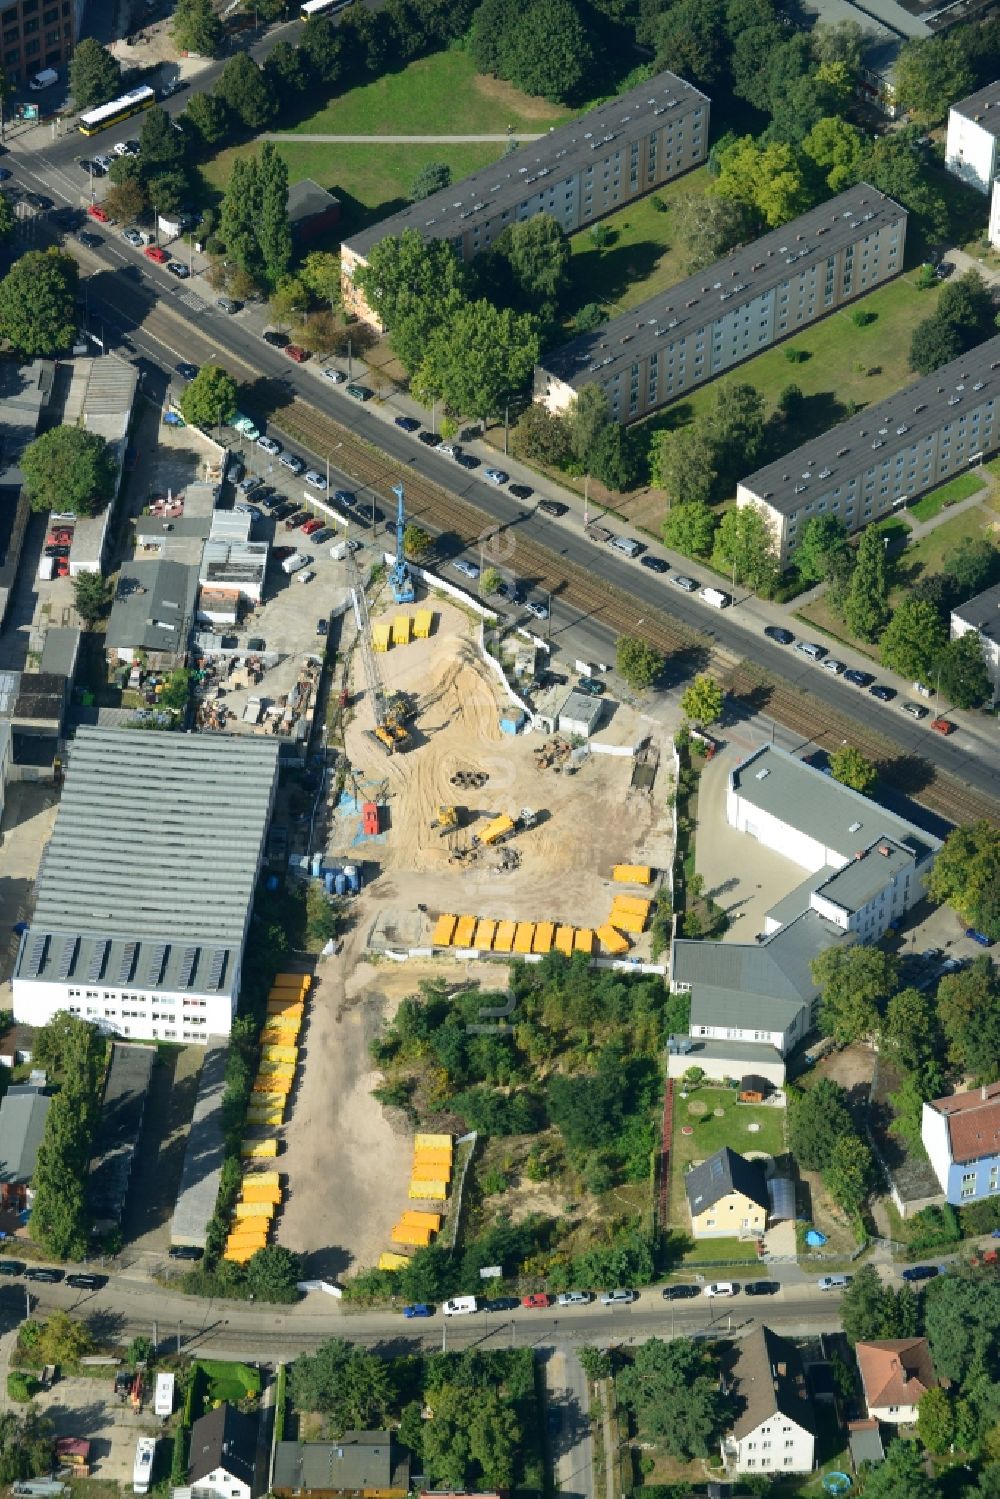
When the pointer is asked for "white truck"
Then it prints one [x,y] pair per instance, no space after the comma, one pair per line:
[293,563]
[715,597]
[47,567]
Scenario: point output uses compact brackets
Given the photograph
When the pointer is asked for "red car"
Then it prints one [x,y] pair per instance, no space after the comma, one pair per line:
[538,1299]
[311,526]
[62,567]
[153,252]
[943,725]
[97,212]
[297,352]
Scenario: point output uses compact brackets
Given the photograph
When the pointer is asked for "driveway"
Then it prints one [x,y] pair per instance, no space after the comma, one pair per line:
[567,1405]
[88,1407]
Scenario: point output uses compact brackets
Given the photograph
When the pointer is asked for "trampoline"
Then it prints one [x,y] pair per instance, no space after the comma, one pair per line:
[836,1483]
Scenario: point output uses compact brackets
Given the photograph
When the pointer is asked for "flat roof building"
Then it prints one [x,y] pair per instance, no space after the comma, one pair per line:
[145,890]
[153,612]
[204,1152]
[971,146]
[891,452]
[982,614]
[24,394]
[758,294]
[576,174]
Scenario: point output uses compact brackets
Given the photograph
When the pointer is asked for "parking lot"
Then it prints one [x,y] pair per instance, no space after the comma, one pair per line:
[79,1406]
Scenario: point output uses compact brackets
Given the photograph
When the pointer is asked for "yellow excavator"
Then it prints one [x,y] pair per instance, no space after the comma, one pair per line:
[448,820]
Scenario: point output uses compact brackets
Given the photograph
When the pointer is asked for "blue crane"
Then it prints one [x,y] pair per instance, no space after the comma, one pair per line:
[399,577]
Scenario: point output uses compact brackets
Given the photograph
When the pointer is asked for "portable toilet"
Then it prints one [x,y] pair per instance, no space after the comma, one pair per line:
[340,882]
[328,879]
[353,876]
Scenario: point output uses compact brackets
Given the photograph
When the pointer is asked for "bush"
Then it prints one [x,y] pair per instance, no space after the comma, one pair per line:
[20,1386]
[861,319]
[796,356]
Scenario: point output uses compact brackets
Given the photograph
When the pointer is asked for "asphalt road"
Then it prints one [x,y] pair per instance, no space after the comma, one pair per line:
[126,289]
[126,1308]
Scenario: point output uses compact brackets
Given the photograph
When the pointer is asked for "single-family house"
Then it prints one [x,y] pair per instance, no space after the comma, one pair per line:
[23,1111]
[896,1373]
[775,1431]
[727,1196]
[961,1135]
[222,1459]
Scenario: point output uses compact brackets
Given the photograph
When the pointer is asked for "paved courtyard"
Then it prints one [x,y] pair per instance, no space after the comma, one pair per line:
[28,817]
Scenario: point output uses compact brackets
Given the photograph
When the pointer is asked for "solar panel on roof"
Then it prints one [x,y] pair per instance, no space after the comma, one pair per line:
[98,954]
[154,972]
[36,956]
[189,959]
[216,969]
[128,962]
[67,957]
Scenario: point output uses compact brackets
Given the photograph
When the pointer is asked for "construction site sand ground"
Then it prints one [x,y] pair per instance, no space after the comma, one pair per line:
[588,821]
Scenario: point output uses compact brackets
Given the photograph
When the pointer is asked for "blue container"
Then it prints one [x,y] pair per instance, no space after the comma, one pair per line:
[353,874]
[340,883]
[328,881]
[316,867]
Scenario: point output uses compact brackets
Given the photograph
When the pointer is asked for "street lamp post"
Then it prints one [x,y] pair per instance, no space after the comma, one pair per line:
[586,501]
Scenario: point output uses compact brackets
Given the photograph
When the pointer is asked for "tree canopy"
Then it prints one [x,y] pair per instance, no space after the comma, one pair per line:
[94,75]
[702,702]
[855,983]
[851,768]
[673,1388]
[349,1385]
[966,875]
[209,399]
[71,469]
[638,662]
[196,27]
[38,303]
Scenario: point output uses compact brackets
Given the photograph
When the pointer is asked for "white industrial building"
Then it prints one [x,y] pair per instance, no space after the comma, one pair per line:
[970,151]
[865,868]
[145,891]
[982,615]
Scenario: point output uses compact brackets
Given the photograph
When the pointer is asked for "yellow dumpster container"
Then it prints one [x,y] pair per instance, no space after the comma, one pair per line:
[258,1150]
[254,1234]
[272,1082]
[381,637]
[583,940]
[504,939]
[285,1009]
[542,940]
[261,1194]
[420,1191]
[465,929]
[264,1113]
[632,874]
[564,940]
[523,935]
[301,981]
[401,629]
[388,1261]
[444,930]
[423,624]
[485,932]
[284,1071]
[424,1141]
[424,1156]
[410,1233]
[627,921]
[612,940]
[422,1220]
[254,1210]
[636,905]
[280,1054]
[262,1178]
[433,1171]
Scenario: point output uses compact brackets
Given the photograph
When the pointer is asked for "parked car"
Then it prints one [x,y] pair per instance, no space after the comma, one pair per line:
[943,726]
[179,269]
[920,1272]
[314,479]
[977,936]
[359,392]
[833,1282]
[418,1308]
[537,1300]
[185,1252]
[761,1288]
[269,445]
[89,241]
[859,678]
[322,535]
[345,497]
[915,710]
[592,686]
[132,237]
[655,564]
[467,460]
[87,1282]
[154,252]
[297,352]
[680,1293]
[274,338]
[497,475]
[47,1274]
[467,569]
[811,649]
[537,609]
[619,1298]
[883,693]
[574,1298]
[312,525]
[228,304]
[291,462]
[779,634]
[521,491]
[100,214]
[837,667]
[687,584]
[721,1288]
[12,1267]
[187,371]
[336,377]
[501,1304]
[429,439]
[552,507]
[509,592]
[449,449]
[408,423]
[251,483]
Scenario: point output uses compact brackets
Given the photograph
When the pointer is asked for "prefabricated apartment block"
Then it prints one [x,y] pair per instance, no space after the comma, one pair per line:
[758,294]
[576,174]
[892,452]
[973,143]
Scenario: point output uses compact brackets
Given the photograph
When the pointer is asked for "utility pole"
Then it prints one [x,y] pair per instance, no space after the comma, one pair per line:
[586,501]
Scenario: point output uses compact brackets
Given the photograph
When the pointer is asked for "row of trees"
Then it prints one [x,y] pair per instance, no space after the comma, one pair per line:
[72,1053]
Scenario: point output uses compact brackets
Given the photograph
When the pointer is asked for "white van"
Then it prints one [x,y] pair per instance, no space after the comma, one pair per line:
[45,79]
[460,1306]
[715,597]
[627,545]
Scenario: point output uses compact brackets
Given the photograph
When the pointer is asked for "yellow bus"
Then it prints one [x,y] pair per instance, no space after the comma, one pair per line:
[116,110]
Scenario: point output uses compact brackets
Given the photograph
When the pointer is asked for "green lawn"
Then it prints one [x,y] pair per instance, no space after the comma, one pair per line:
[947,494]
[220,1379]
[837,369]
[643,258]
[370,181]
[437,95]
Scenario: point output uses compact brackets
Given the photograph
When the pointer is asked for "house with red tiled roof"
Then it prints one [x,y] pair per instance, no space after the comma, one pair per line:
[896,1373]
[961,1135]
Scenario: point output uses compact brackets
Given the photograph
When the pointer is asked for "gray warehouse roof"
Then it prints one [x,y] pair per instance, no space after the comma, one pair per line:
[820,807]
[24,390]
[204,1153]
[982,612]
[861,880]
[154,606]
[564,151]
[722,288]
[23,1111]
[879,432]
[150,870]
[118,1132]
[356,1461]
[983,107]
